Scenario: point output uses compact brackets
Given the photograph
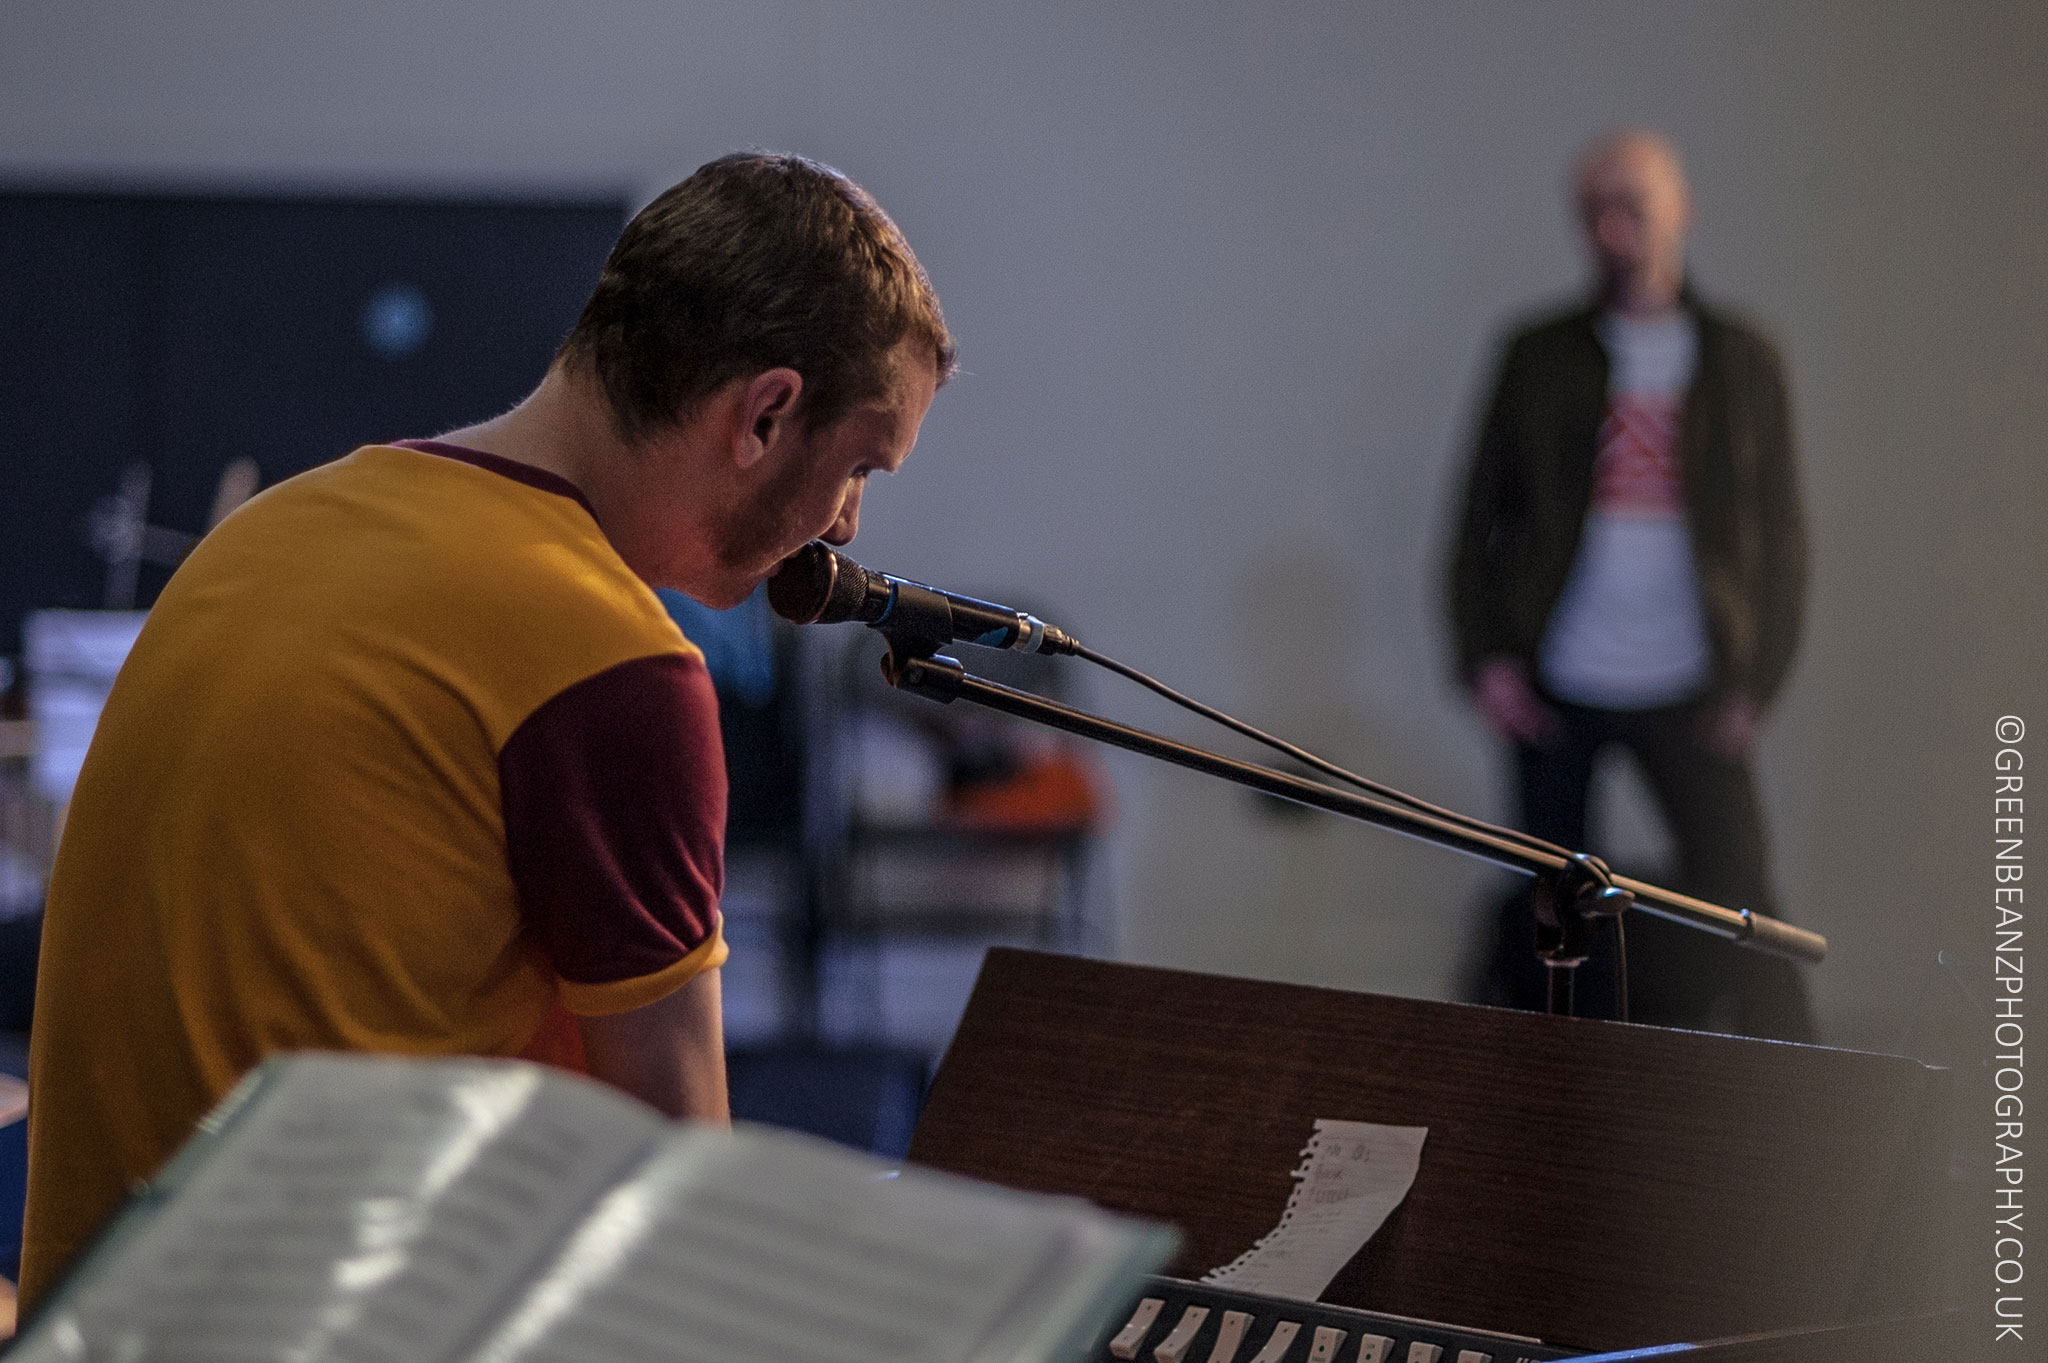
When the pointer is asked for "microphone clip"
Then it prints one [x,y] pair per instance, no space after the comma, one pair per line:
[919,621]
[936,678]
[1568,901]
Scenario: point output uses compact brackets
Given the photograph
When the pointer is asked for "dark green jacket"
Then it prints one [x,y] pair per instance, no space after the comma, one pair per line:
[1531,483]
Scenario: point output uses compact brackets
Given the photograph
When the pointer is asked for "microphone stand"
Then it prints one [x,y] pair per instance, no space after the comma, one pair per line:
[1573,891]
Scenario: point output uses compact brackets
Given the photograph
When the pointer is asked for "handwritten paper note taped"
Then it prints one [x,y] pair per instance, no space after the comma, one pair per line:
[1352,1176]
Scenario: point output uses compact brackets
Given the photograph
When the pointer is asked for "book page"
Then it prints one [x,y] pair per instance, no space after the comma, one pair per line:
[762,1245]
[360,1210]
[1352,1176]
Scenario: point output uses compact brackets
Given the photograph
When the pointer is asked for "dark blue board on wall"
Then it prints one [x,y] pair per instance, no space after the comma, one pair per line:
[190,331]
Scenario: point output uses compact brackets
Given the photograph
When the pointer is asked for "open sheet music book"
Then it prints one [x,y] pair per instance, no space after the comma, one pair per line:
[353,1209]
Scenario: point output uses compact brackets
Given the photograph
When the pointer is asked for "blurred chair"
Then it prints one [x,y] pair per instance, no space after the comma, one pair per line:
[933,833]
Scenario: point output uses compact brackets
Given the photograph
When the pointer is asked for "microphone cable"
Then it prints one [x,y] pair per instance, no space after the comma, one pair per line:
[1310,760]
[1371,787]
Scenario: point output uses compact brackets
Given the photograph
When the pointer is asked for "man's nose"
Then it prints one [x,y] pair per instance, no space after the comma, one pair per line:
[848,525]
[1616,230]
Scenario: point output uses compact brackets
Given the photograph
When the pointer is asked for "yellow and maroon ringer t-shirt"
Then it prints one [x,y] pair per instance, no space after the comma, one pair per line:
[406,759]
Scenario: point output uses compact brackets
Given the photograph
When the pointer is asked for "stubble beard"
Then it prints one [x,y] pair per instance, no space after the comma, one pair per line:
[763,531]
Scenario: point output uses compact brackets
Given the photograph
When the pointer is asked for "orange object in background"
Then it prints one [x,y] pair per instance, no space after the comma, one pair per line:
[1061,791]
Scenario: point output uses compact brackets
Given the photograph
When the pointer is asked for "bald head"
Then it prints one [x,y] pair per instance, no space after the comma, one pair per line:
[1634,209]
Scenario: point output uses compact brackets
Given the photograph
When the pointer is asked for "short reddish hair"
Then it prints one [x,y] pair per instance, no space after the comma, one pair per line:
[756,261]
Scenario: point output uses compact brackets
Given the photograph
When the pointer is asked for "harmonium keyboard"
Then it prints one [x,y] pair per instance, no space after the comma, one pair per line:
[1612,1191]
[1186,1322]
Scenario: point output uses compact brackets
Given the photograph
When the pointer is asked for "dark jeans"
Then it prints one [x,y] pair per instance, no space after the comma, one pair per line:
[1677,977]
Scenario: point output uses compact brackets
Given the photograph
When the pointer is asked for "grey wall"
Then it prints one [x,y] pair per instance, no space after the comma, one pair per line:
[1225,278]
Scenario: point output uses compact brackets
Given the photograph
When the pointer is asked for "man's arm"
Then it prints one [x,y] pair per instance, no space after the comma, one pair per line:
[614,798]
[669,1053]
[1781,586]
[1486,528]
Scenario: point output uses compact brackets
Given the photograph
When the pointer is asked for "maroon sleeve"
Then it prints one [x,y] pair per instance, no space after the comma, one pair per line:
[614,800]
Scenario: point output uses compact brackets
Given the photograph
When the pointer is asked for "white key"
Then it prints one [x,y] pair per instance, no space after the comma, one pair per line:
[1328,1339]
[1276,1347]
[1473,1356]
[1229,1334]
[1375,1349]
[1418,1352]
[1127,1340]
[1183,1334]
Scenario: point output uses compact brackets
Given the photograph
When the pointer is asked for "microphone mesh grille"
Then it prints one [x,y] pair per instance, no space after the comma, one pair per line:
[803,587]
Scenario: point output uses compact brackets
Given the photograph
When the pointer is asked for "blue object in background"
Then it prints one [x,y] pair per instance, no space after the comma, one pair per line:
[14,1194]
[397,319]
[13,1161]
[738,644]
[867,1097]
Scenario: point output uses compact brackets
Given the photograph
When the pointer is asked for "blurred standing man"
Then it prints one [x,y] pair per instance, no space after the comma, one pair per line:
[409,757]
[1631,567]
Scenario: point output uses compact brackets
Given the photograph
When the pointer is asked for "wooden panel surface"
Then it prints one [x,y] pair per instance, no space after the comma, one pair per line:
[1591,1183]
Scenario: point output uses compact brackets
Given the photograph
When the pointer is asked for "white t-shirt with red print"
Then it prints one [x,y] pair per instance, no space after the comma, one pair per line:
[1629,632]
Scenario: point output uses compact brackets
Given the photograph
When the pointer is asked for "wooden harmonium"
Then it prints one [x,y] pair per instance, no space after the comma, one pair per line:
[1595,1185]
[1184,1322]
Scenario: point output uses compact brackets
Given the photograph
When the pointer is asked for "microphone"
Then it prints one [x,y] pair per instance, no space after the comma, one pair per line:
[817,585]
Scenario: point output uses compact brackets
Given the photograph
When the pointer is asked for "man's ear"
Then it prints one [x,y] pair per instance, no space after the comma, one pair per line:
[767,411]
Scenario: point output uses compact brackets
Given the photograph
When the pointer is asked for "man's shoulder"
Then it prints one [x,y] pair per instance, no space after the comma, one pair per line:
[422,569]
[1551,320]
[394,529]
[1548,346]
[1734,332]
[553,611]
[1548,331]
